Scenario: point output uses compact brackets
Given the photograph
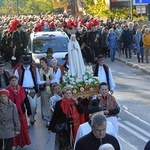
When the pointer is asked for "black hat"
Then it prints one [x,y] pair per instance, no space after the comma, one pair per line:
[19,25]
[49,50]
[26,60]
[100,57]
[94,107]
[66,57]
[1,64]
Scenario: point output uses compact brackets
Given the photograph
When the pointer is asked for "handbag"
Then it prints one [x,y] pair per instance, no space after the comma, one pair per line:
[61,127]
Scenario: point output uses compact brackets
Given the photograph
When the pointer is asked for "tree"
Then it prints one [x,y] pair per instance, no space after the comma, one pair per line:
[100,9]
[26,6]
[38,6]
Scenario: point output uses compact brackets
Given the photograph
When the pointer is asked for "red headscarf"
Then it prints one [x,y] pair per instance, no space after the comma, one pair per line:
[17,97]
[70,110]
[4,92]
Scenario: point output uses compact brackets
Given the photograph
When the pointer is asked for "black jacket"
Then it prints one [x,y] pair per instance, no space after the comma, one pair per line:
[90,142]
[59,116]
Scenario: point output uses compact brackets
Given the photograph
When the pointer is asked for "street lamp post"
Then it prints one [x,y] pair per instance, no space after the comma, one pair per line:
[131,9]
[17,5]
[140,7]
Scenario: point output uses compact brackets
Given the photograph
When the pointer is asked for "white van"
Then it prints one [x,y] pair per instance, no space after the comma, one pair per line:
[40,41]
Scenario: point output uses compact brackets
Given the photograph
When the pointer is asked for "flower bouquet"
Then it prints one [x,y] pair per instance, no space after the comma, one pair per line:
[88,85]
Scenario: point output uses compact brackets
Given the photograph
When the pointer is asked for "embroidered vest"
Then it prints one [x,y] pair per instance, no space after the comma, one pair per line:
[33,73]
[106,69]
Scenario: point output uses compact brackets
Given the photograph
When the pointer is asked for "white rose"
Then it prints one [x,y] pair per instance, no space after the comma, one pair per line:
[71,79]
[79,80]
[85,77]
[86,81]
[73,83]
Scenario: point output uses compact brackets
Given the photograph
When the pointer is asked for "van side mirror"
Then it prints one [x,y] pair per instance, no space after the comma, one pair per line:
[26,50]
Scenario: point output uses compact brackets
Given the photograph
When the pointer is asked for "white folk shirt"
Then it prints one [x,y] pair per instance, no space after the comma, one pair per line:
[56,76]
[102,77]
[28,80]
[67,67]
[55,98]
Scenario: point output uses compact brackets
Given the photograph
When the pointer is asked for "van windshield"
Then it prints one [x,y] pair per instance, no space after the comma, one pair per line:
[58,45]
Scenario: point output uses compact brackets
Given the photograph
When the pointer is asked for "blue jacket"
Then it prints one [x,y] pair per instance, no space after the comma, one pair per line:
[137,39]
[112,40]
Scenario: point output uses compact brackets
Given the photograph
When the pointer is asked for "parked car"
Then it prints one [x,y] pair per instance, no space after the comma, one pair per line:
[40,41]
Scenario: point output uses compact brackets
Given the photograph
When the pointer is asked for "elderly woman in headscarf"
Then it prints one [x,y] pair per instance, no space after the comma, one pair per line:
[76,63]
[68,110]
[9,121]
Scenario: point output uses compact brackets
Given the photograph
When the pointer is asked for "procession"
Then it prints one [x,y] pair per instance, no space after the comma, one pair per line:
[64,73]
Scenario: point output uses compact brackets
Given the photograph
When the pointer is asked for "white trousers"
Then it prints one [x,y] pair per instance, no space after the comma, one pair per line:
[33,105]
[114,121]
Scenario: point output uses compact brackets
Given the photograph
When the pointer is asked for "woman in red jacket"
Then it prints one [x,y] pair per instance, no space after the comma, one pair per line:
[19,97]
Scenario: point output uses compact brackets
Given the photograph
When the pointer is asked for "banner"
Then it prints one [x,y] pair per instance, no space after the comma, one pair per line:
[59,3]
[119,4]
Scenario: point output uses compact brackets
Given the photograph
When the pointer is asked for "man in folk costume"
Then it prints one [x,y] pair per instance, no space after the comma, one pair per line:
[29,78]
[110,106]
[4,75]
[65,67]
[103,72]
[76,63]
[18,96]
[49,56]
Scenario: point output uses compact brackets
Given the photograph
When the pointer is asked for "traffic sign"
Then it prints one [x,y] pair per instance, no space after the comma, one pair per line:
[141,9]
[141,2]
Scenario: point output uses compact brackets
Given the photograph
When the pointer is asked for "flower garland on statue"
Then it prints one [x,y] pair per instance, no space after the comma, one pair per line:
[87,83]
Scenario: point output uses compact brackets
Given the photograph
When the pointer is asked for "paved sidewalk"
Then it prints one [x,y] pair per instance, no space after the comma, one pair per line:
[133,62]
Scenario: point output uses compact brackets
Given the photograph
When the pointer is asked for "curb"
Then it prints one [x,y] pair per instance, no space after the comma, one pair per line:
[136,66]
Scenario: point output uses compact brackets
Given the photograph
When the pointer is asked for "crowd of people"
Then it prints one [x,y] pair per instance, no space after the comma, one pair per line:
[91,40]
[94,36]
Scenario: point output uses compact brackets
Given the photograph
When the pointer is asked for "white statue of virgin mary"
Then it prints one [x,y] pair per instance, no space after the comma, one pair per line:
[76,63]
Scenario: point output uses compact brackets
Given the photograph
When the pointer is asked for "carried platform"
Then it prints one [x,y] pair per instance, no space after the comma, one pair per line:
[85,94]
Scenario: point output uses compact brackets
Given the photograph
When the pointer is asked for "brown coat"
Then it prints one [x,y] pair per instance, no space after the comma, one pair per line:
[63,68]
[9,124]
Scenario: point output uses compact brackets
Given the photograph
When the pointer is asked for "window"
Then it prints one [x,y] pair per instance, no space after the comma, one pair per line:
[57,44]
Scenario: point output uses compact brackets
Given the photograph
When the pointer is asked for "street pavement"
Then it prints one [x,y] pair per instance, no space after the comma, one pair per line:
[133,62]
[41,139]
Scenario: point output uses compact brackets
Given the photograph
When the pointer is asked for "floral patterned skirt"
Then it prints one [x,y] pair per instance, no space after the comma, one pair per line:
[63,141]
